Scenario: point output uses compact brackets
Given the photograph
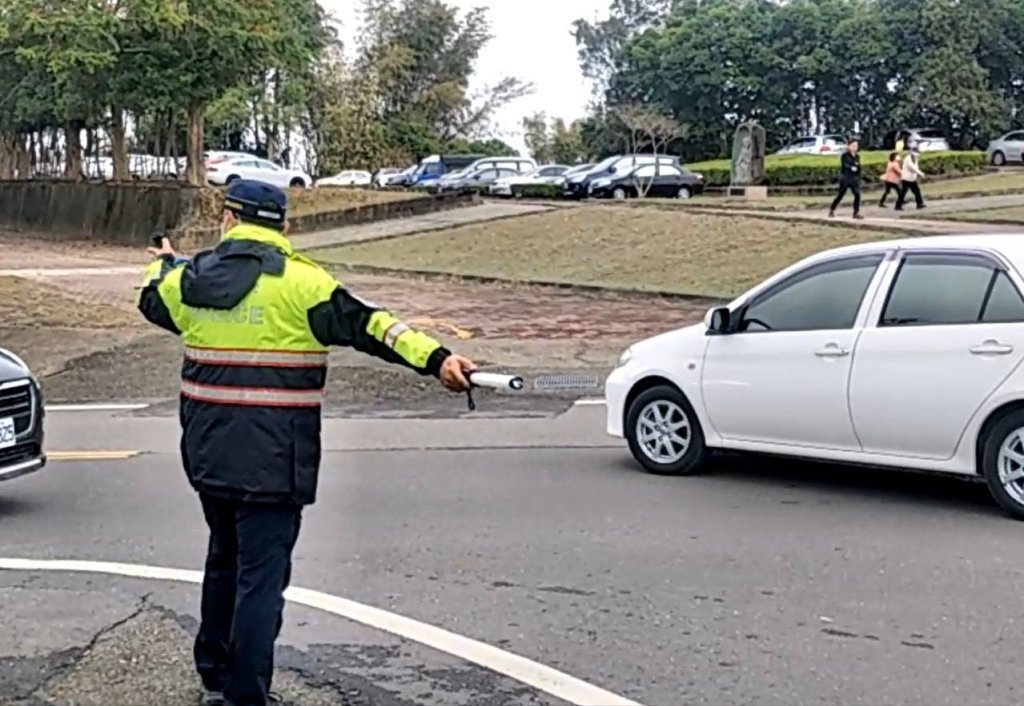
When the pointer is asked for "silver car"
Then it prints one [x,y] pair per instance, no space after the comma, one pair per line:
[21,419]
[1008,148]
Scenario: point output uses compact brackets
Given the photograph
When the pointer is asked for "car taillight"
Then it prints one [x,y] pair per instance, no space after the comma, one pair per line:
[824,149]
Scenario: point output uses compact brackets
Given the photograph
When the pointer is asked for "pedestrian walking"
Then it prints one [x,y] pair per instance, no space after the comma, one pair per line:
[849,179]
[256,319]
[910,175]
[892,178]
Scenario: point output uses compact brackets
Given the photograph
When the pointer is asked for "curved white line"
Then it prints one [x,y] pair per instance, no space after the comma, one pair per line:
[540,677]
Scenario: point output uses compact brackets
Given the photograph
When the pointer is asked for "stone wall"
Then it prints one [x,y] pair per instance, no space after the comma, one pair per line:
[130,213]
[123,213]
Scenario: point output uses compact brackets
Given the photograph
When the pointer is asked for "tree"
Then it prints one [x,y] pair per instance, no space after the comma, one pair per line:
[651,131]
[537,138]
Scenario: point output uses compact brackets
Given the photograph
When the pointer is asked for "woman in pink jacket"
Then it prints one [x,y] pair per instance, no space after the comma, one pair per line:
[891,178]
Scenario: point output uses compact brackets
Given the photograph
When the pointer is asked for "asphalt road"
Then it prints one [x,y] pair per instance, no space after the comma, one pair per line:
[760,582]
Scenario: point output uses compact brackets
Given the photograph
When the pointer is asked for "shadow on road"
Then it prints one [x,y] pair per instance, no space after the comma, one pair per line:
[839,483]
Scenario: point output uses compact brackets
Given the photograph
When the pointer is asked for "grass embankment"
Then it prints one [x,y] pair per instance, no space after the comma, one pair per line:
[305,202]
[627,248]
[25,303]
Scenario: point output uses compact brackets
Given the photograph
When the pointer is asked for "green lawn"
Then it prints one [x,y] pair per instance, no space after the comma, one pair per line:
[645,249]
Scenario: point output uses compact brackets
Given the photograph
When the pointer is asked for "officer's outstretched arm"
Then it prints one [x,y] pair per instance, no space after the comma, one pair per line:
[346,320]
[156,285]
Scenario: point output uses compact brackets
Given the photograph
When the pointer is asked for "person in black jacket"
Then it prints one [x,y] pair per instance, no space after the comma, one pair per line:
[849,179]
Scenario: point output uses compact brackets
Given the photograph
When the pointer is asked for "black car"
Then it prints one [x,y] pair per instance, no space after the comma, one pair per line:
[651,180]
[578,185]
[21,419]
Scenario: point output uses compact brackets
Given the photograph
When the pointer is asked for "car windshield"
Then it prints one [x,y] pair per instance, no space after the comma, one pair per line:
[931,134]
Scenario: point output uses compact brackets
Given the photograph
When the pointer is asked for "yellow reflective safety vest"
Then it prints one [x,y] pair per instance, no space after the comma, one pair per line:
[256,320]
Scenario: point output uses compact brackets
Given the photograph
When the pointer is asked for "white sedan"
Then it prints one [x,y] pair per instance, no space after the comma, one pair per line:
[221,173]
[905,354]
[351,177]
[545,174]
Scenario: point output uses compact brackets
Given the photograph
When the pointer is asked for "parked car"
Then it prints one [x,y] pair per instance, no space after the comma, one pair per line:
[578,169]
[520,165]
[547,174]
[901,354]
[926,139]
[215,156]
[229,170]
[352,177]
[21,418]
[402,178]
[381,176]
[652,180]
[578,185]
[815,144]
[473,180]
[1008,148]
[435,166]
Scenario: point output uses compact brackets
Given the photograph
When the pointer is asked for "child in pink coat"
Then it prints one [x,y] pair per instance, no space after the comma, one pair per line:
[891,178]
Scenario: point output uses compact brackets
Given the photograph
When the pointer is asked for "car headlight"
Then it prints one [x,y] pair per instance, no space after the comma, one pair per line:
[700,177]
[627,355]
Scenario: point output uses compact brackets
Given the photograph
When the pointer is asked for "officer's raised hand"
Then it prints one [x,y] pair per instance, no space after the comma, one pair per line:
[453,372]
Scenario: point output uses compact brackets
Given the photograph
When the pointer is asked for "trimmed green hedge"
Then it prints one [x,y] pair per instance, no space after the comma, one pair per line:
[811,169]
[537,191]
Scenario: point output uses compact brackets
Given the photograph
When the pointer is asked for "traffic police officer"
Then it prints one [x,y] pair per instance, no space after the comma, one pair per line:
[256,319]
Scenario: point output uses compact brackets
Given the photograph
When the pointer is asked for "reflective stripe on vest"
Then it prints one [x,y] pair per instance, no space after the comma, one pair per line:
[252,396]
[394,331]
[284,359]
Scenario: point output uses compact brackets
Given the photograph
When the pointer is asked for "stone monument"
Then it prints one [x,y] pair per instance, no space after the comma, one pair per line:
[748,162]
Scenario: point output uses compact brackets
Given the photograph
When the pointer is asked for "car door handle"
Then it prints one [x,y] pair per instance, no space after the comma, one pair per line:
[831,351]
[992,347]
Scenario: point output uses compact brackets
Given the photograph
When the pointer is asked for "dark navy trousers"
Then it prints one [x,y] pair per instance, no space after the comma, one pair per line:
[248,567]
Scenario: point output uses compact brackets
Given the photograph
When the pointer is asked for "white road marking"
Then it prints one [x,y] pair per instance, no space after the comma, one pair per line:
[551,681]
[590,402]
[102,407]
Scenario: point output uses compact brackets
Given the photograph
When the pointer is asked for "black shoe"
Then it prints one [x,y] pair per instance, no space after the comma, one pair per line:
[921,206]
[212,698]
[831,214]
[898,208]
[858,217]
[881,205]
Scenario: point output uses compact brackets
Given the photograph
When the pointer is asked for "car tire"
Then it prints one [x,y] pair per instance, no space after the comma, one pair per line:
[684,454]
[683,193]
[1005,436]
[297,183]
[619,194]
[998,158]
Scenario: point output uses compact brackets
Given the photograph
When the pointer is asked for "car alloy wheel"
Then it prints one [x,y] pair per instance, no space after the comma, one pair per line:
[663,431]
[1002,462]
[684,193]
[998,158]
[664,434]
[619,193]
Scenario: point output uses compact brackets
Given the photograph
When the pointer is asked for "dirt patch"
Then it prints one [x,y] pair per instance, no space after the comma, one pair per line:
[530,330]
[641,249]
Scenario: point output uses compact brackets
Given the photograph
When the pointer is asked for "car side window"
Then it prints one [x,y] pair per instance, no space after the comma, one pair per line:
[951,289]
[669,170]
[646,171]
[820,298]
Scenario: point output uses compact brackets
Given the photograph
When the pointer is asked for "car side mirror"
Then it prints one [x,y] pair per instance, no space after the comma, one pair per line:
[611,170]
[718,320]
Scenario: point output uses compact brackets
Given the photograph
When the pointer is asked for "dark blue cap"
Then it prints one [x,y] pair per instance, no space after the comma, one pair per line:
[256,200]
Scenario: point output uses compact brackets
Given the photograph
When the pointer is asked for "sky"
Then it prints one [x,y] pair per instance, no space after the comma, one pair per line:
[532,41]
